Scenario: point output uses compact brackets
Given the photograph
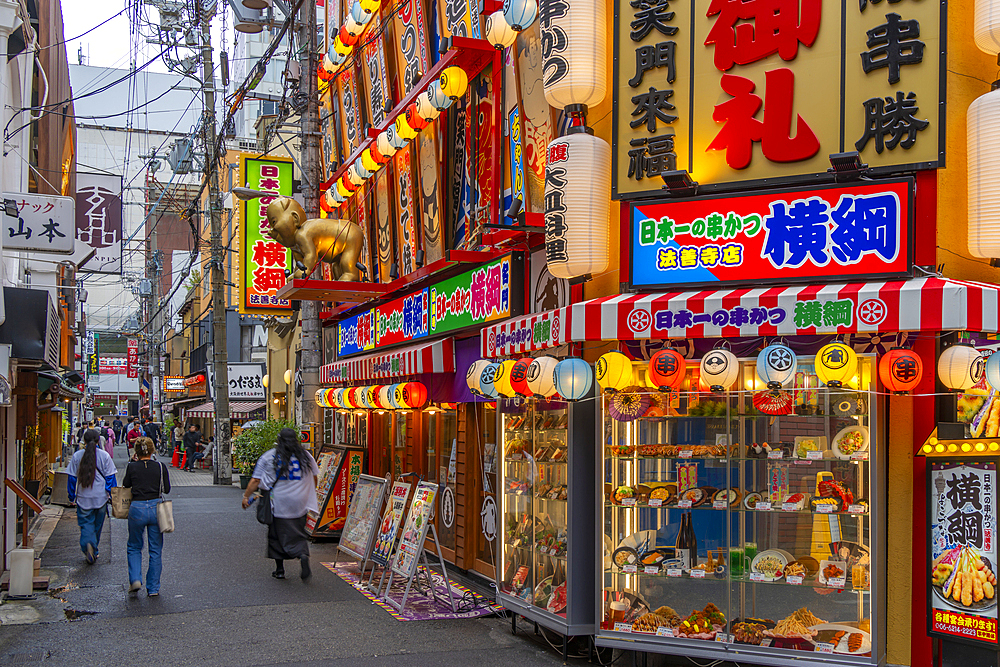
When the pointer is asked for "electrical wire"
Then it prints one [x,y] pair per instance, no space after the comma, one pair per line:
[84,34]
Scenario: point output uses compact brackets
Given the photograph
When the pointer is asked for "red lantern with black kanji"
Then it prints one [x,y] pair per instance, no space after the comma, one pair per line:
[416,394]
[376,398]
[667,369]
[519,377]
[900,370]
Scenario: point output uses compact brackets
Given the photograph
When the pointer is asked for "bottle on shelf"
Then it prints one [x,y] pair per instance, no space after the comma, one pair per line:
[687,543]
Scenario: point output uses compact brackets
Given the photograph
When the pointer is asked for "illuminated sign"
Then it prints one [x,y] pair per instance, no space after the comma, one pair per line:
[173,383]
[262,261]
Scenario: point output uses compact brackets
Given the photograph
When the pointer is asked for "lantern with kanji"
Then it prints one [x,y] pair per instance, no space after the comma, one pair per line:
[519,377]
[320,396]
[983,122]
[384,396]
[836,364]
[960,367]
[472,376]
[541,376]
[667,369]
[454,82]
[574,378]
[416,394]
[776,365]
[386,142]
[502,378]
[358,397]
[576,72]
[719,369]
[371,396]
[498,31]
[520,14]
[487,387]
[614,371]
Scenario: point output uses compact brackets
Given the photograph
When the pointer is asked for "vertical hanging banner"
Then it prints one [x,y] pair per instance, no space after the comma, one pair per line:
[512,110]
[362,220]
[429,204]
[99,221]
[263,262]
[458,148]
[133,358]
[376,81]
[383,222]
[411,44]
[485,118]
[459,18]
[406,236]
[350,118]
[537,128]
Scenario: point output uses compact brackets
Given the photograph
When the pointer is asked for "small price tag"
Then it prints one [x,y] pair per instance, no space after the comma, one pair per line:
[628,502]
[814,455]
[684,504]
[673,572]
[766,641]
[794,580]
[789,507]
[664,631]
[859,456]
[719,504]
[651,569]
[756,576]
[623,627]
[722,637]
[763,506]
[630,569]
[684,453]
[655,502]
[776,454]
[824,648]
[856,509]
[825,508]
[697,574]
[839,582]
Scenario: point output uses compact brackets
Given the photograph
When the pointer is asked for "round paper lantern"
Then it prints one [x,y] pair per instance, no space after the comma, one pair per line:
[362,398]
[776,365]
[331,61]
[425,107]
[576,73]
[614,371]
[371,6]
[385,142]
[397,140]
[520,14]
[986,27]
[501,379]
[331,201]
[341,48]
[401,396]
[719,369]
[338,399]
[667,369]
[541,376]
[352,28]
[371,396]
[486,386]
[454,82]
[836,364]
[498,31]
[417,394]
[991,370]
[574,378]
[358,397]
[578,204]
[320,394]
[360,14]
[983,144]
[403,127]
[336,196]
[342,190]
[960,367]
[347,38]
[901,370]
[355,176]
[359,166]
[519,377]
[474,373]
[414,119]
[384,393]
[348,398]
[435,94]
[368,161]
[348,184]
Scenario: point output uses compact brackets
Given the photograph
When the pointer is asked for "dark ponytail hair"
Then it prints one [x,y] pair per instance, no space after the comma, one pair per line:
[88,464]
[290,445]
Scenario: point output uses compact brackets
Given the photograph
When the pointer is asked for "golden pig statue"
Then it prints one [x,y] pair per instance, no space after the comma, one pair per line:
[331,240]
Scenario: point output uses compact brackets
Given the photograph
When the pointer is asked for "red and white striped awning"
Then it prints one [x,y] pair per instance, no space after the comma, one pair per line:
[237,409]
[918,304]
[435,357]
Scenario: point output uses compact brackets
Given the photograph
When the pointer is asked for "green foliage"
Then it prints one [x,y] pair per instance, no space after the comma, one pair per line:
[168,422]
[251,443]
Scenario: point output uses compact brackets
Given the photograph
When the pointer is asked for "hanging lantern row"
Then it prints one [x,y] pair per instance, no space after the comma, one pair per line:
[399,396]
[503,25]
[543,377]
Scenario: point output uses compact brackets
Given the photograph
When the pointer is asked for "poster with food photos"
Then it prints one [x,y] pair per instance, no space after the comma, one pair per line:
[362,516]
[388,530]
[411,543]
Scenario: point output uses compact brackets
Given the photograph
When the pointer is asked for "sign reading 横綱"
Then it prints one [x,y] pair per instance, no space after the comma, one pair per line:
[744,91]
[44,223]
[831,232]
[99,220]
[262,261]
[962,509]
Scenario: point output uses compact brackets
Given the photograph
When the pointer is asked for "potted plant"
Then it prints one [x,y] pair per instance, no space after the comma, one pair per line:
[251,444]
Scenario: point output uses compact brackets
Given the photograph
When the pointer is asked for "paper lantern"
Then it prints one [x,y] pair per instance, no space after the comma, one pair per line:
[519,377]
[359,166]
[330,200]
[577,205]
[397,140]
[991,369]
[541,379]
[498,31]
[574,378]
[403,127]
[454,82]
[719,369]
[401,396]
[416,394]
[474,373]
[337,398]
[342,190]
[384,142]
[370,396]
[414,119]
[486,386]
[960,367]
[384,392]
[330,63]
[520,14]
[667,369]
[368,161]
[836,364]
[501,379]
[347,38]
[352,28]
[986,26]
[360,14]
[425,107]
[371,6]
[358,397]
[355,176]
[437,97]
[341,48]
[983,142]
[347,398]
[776,365]
[576,73]
[320,394]
[614,371]
[373,158]
[336,196]
[376,400]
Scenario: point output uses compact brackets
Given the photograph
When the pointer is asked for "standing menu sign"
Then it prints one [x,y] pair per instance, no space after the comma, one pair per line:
[385,540]
[336,485]
[362,517]
[962,511]
[404,563]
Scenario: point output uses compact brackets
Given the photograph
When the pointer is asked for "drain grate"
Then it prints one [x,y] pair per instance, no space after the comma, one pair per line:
[26,658]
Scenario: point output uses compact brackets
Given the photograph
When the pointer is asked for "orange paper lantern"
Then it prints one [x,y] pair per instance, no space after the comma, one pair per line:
[519,377]
[416,394]
[667,369]
[900,370]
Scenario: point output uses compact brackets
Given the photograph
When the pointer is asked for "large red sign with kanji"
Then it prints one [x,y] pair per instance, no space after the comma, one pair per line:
[262,261]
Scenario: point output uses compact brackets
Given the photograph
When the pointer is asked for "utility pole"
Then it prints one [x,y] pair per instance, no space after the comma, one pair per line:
[309,142]
[222,459]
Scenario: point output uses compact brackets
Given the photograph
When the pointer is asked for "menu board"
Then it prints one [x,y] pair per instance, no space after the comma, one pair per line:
[385,540]
[963,552]
[404,563]
[362,517]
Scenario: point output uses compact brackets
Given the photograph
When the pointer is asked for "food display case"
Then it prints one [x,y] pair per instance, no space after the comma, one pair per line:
[743,525]
[546,489]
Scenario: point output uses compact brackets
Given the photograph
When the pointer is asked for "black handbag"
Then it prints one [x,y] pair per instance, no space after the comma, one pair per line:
[265,514]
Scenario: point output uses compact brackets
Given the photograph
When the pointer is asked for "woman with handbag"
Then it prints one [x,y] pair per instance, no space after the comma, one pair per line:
[91,477]
[288,474]
[148,480]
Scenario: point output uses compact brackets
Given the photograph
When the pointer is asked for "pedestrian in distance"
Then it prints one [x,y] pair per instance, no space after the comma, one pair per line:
[290,473]
[191,440]
[134,433]
[118,428]
[91,477]
[146,478]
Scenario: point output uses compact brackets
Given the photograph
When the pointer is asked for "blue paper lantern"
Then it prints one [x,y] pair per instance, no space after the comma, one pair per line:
[435,95]
[359,14]
[993,370]
[393,403]
[574,377]
[520,13]
[486,386]
[360,167]
[776,365]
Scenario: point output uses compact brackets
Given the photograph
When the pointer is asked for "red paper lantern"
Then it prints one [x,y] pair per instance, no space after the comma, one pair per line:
[519,377]
[356,397]
[375,397]
[900,370]
[413,119]
[346,182]
[347,397]
[347,38]
[416,394]
[667,369]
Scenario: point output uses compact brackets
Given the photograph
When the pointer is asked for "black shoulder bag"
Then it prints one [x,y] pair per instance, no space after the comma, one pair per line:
[265,514]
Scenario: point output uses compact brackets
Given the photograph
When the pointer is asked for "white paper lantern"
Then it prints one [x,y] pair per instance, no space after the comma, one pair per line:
[354,28]
[354,176]
[776,365]
[960,367]
[330,200]
[987,26]
[576,73]
[719,369]
[574,378]
[541,376]
[425,106]
[320,393]
[384,142]
[359,166]
[577,205]
[992,371]
[520,14]
[984,167]
[474,373]
[384,393]
[498,31]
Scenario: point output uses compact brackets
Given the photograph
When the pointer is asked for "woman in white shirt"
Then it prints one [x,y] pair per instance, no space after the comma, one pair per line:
[290,473]
[91,476]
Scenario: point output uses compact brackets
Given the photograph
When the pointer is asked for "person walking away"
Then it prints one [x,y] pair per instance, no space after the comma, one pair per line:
[82,428]
[153,431]
[145,477]
[191,440]
[290,473]
[118,428]
[91,475]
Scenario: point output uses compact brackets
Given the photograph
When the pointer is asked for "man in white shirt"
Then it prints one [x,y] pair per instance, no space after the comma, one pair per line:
[91,501]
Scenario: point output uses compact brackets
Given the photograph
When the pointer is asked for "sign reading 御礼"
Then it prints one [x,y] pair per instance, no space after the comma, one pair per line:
[492,291]
[263,261]
[794,235]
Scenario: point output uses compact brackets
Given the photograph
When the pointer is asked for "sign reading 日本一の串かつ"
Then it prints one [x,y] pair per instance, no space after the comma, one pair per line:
[794,235]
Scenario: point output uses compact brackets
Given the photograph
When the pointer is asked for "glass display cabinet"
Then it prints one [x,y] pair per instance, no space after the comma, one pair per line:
[741,526]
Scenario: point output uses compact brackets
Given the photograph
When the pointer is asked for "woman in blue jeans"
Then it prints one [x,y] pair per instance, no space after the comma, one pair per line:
[146,478]
[91,475]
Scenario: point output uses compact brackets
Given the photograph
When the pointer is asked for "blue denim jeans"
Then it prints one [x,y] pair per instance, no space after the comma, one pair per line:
[91,523]
[142,519]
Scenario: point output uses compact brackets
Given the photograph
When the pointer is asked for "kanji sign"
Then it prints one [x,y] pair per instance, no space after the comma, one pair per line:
[962,506]
[44,223]
[246,381]
[99,220]
[826,233]
[746,90]
[132,367]
[263,262]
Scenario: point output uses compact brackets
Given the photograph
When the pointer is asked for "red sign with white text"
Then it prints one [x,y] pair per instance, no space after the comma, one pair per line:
[133,358]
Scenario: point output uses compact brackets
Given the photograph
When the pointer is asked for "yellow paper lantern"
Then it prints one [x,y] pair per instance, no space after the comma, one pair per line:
[368,162]
[371,6]
[403,128]
[454,82]
[502,378]
[614,371]
[836,364]
[341,48]
[343,191]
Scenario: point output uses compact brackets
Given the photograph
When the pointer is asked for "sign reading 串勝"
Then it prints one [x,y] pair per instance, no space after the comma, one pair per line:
[246,381]
[828,233]
[44,223]
[492,291]
[730,90]
[262,261]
